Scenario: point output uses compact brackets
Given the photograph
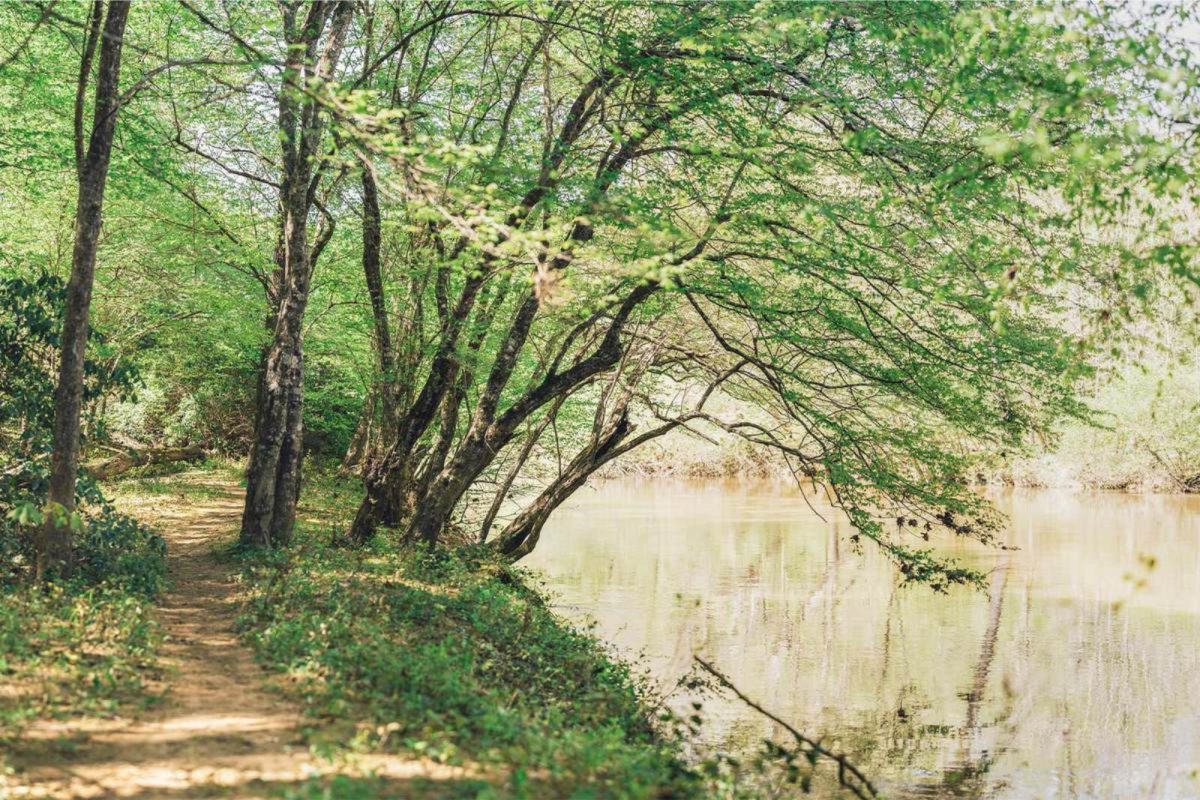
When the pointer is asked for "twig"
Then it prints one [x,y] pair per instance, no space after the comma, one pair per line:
[849,775]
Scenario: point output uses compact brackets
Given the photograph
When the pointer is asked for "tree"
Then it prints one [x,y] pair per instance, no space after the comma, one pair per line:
[866,222]
[314,36]
[93,150]
[867,238]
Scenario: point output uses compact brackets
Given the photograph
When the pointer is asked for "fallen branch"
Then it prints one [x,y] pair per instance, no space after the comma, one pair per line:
[129,459]
[849,775]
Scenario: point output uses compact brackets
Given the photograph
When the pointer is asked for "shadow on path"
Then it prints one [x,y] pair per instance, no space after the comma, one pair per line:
[221,731]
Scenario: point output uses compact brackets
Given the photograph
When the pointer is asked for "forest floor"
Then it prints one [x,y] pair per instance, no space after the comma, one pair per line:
[222,727]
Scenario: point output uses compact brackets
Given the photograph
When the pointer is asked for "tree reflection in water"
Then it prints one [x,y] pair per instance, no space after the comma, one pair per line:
[1058,680]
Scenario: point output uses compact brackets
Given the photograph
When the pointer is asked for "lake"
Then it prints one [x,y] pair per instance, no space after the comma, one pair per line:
[1076,675]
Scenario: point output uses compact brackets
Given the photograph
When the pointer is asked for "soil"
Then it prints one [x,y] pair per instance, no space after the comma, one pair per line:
[223,728]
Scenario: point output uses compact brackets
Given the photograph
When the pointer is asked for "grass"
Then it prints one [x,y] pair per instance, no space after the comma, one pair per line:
[84,647]
[158,480]
[435,657]
[455,658]
[73,652]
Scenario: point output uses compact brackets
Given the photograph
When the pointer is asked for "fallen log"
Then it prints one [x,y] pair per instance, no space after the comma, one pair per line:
[129,459]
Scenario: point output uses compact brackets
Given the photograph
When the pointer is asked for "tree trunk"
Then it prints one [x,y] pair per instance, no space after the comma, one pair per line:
[291,454]
[506,485]
[389,479]
[372,235]
[54,545]
[273,475]
[484,440]
[379,406]
[120,464]
[521,535]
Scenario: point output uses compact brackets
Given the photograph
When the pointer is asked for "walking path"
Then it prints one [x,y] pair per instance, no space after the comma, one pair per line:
[221,730]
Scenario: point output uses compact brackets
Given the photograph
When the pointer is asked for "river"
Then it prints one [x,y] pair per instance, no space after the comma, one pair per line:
[1076,675]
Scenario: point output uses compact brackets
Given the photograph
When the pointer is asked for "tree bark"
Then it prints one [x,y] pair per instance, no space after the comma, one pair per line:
[273,478]
[379,406]
[485,439]
[274,473]
[521,535]
[387,480]
[372,235]
[610,440]
[54,545]
[506,485]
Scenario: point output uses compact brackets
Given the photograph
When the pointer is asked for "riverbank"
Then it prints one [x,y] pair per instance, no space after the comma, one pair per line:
[1084,459]
[454,659]
[324,671]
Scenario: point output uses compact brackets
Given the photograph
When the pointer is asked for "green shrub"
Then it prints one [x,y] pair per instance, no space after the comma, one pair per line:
[111,548]
[1145,436]
[117,549]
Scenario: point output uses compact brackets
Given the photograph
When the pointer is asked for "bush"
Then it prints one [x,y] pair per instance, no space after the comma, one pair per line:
[118,550]
[1145,437]
[111,548]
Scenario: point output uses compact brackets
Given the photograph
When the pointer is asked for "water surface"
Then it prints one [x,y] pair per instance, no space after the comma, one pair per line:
[1076,675]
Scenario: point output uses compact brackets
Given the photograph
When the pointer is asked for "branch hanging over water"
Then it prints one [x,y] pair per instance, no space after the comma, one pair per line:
[849,776]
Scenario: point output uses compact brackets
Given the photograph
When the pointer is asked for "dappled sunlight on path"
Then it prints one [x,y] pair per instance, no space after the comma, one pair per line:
[220,730]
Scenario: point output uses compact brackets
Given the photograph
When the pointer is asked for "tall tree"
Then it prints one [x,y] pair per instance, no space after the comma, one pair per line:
[93,149]
[315,35]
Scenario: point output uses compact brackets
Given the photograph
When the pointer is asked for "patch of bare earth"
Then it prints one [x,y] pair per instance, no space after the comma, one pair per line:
[220,730]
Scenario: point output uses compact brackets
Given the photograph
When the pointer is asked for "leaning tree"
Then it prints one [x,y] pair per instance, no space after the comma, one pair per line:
[874,226]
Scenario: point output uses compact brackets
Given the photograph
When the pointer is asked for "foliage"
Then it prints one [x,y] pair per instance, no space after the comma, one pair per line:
[445,656]
[875,224]
[116,549]
[87,646]
[897,236]
[112,547]
[457,656]
[1145,437]
[65,651]
[30,327]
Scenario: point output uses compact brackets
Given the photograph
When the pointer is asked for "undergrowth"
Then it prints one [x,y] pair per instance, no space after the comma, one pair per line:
[84,646]
[455,658]
[69,651]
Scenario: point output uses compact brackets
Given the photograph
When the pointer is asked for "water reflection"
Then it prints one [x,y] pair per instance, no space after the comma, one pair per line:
[1066,679]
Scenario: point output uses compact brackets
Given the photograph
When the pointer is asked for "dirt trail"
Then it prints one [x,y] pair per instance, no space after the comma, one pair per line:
[220,731]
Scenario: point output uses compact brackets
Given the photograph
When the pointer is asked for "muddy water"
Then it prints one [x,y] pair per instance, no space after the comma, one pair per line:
[1077,675]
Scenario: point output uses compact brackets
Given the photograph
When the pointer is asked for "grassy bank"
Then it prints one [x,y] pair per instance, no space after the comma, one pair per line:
[454,658]
[449,663]
[87,647]
[67,653]
[1145,437]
